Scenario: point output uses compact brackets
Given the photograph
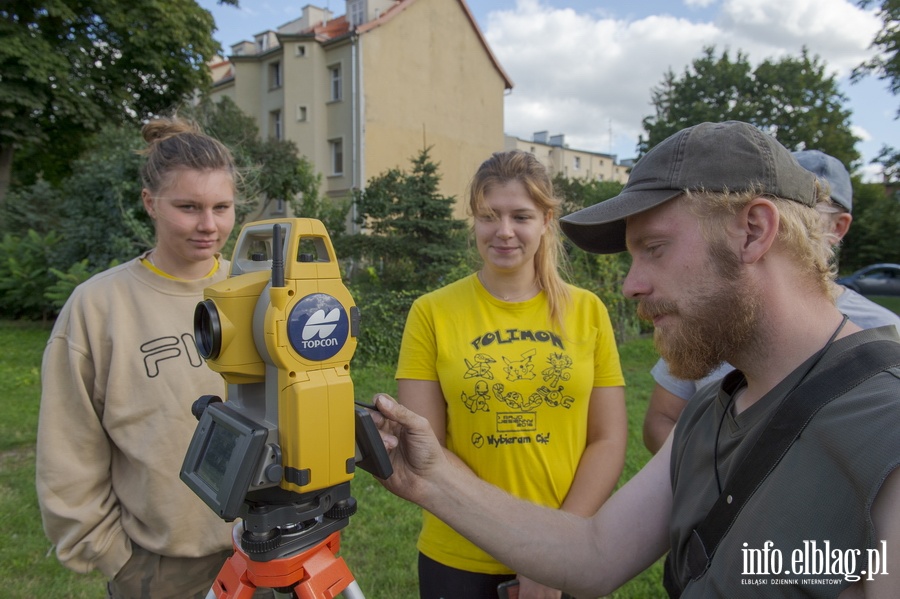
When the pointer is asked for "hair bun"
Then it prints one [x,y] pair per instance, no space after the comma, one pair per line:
[165,127]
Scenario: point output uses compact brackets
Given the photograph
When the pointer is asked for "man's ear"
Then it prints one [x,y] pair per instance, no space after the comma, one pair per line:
[758,223]
[840,224]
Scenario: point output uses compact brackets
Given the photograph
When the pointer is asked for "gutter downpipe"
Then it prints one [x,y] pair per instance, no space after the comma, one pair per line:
[356,120]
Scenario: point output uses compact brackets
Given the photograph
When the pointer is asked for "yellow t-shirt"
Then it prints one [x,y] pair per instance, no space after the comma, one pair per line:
[517,391]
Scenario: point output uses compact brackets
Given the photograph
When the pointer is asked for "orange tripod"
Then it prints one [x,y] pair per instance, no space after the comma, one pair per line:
[316,573]
[291,548]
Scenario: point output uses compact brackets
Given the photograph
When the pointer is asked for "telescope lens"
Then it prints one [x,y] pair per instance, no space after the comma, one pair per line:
[207,330]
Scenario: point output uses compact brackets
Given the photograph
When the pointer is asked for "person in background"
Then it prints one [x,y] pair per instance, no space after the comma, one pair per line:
[670,394]
[518,374]
[731,263]
[119,375]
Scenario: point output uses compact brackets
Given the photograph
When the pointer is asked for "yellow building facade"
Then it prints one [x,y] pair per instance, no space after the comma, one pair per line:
[367,91]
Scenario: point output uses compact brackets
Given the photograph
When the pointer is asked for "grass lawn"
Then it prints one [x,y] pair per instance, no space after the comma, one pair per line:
[379,543]
[891,303]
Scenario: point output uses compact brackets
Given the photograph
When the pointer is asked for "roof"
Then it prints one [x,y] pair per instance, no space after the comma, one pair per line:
[340,27]
[334,28]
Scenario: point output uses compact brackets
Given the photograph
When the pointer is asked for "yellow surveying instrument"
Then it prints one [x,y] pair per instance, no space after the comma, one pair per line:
[280,453]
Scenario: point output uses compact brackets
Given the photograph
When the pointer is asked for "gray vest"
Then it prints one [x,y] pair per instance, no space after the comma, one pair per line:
[806,531]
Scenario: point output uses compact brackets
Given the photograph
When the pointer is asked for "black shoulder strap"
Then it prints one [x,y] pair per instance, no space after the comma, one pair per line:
[782,430]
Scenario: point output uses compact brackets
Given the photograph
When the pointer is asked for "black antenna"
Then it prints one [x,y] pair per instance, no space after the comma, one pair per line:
[277,257]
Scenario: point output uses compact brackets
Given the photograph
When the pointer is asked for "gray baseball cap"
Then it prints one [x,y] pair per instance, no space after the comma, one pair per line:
[832,171]
[732,156]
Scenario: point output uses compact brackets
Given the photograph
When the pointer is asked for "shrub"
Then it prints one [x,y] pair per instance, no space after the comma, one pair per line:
[25,274]
[382,318]
[68,280]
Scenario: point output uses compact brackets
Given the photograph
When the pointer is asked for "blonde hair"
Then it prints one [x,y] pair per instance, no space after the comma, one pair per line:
[801,231]
[516,165]
[174,143]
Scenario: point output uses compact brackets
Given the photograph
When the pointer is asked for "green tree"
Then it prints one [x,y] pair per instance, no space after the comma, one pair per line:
[886,63]
[580,193]
[601,273]
[38,206]
[98,210]
[411,239]
[873,234]
[886,66]
[25,274]
[889,159]
[68,66]
[98,205]
[791,98]
[103,218]
[712,89]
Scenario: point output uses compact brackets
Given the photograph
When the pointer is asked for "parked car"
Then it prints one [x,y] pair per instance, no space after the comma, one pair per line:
[877,279]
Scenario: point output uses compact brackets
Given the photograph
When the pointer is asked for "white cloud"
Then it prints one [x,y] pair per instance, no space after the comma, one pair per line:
[583,75]
[836,30]
[871,173]
[861,133]
[698,3]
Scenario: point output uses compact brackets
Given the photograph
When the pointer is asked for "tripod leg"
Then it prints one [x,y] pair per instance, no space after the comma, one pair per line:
[353,591]
[232,581]
[326,574]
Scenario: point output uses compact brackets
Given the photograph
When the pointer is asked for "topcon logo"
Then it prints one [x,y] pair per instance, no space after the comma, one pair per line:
[318,327]
[321,324]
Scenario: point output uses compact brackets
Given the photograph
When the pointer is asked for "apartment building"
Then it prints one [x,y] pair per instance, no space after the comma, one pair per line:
[365,92]
[553,153]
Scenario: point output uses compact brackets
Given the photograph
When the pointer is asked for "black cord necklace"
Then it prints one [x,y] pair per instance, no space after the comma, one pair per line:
[818,357]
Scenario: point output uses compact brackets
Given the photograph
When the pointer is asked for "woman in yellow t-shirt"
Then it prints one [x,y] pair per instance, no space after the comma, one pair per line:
[518,374]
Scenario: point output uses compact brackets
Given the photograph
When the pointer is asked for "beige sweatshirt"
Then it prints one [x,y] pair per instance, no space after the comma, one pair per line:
[119,375]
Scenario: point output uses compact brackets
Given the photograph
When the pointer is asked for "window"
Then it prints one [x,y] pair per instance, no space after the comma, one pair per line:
[275,74]
[300,51]
[356,11]
[577,162]
[334,72]
[337,156]
[301,113]
[275,124]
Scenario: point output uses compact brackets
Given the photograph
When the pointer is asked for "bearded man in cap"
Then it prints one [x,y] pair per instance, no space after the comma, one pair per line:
[671,394]
[731,263]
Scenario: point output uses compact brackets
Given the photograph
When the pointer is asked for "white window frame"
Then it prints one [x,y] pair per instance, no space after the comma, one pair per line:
[336,86]
[336,150]
[275,121]
[356,12]
[275,75]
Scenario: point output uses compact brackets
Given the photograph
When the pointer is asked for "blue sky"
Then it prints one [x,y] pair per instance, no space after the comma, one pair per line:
[614,53]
